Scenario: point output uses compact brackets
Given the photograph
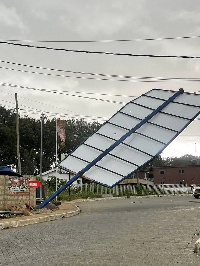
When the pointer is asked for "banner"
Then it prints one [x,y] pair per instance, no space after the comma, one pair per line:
[18,185]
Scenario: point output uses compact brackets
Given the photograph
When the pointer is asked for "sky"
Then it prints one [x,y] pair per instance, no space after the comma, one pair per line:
[93,20]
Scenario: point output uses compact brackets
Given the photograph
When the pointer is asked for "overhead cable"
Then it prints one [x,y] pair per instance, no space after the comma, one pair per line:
[63,76]
[4,84]
[51,114]
[100,52]
[37,102]
[75,72]
[106,41]
[126,77]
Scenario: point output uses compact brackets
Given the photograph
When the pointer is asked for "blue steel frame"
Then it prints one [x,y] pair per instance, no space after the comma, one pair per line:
[104,153]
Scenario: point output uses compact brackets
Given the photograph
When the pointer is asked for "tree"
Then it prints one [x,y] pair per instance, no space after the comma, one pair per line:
[51,182]
[77,131]
[7,137]
[30,139]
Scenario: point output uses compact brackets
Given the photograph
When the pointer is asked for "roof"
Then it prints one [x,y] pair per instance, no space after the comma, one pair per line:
[4,170]
[180,166]
[51,171]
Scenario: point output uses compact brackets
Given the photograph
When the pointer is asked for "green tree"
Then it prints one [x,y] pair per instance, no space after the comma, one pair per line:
[77,131]
[30,139]
[7,137]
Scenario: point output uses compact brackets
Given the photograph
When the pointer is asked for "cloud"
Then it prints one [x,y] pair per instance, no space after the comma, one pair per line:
[10,20]
[113,19]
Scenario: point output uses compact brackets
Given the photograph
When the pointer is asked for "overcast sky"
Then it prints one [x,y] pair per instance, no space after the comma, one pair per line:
[99,20]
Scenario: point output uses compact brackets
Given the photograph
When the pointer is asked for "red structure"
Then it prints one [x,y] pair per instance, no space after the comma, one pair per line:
[186,175]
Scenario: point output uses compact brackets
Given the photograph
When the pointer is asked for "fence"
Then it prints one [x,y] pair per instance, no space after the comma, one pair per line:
[96,190]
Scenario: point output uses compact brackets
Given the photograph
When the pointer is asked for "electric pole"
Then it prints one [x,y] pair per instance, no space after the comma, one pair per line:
[42,117]
[17,132]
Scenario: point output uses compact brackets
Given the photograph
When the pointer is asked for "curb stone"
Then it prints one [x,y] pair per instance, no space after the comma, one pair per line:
[39,219]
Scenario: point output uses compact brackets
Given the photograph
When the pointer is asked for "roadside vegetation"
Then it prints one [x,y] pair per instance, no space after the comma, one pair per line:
[93,190]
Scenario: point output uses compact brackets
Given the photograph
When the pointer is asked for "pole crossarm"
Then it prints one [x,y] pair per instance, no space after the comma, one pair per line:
[108,150]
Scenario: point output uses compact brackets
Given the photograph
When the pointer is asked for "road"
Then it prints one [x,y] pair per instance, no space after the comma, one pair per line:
[136,231]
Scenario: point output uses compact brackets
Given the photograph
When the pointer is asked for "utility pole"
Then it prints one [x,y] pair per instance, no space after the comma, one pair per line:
[56,156]
[17,132]
[69,187]
[42,117]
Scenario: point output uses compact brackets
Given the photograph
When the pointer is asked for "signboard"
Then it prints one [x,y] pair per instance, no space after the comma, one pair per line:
[34,184]
[131,138]
[134,136]
[18,185]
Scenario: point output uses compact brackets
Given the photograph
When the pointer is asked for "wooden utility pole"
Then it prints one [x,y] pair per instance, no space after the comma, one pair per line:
[17,132]
[42,117]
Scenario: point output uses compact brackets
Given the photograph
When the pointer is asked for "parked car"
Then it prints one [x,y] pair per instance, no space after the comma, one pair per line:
[196,192]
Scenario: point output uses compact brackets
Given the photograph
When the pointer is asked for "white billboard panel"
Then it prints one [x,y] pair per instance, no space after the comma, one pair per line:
[134,136]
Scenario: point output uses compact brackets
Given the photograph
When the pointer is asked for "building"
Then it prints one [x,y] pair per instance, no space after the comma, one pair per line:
[140,177]
[61,174]
[184,175]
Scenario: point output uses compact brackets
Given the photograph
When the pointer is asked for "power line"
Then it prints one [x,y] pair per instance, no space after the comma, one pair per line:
[106,41]
[60,92]
[84,93]
[38,102]
[51,114]
[68,71]
[100,52]
[63,76]
[126,77]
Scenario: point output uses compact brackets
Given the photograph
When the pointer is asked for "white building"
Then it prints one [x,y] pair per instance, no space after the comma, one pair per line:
[61,174]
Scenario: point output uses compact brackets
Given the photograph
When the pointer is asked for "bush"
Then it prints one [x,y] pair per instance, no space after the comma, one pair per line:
[138,189]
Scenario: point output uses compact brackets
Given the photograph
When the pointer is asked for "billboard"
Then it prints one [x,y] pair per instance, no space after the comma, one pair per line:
[134,136]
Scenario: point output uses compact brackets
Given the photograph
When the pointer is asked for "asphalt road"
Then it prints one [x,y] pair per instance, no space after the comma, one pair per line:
[137,231]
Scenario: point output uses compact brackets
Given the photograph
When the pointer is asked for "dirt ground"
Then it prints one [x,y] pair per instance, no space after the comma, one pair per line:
[65,207]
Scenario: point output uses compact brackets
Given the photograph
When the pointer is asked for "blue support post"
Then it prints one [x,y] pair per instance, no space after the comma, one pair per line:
[85,169]
[45,202]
